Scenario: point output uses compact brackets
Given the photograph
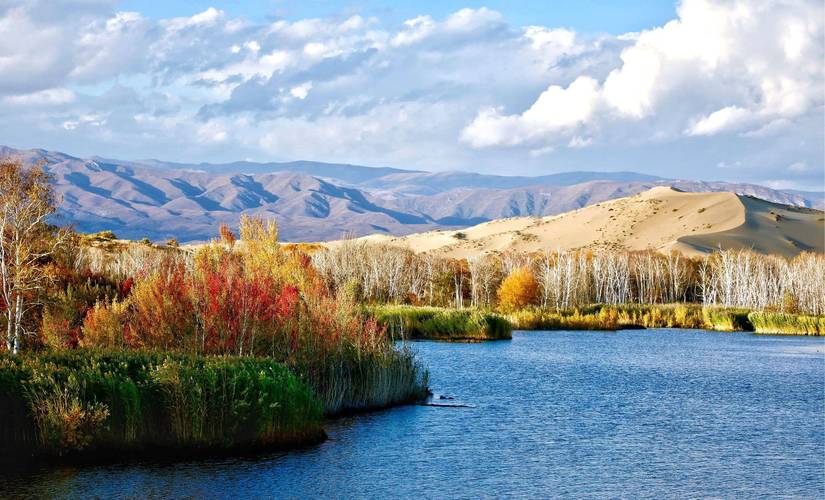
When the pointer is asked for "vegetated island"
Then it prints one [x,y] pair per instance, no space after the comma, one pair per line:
[247,343]
[142,349]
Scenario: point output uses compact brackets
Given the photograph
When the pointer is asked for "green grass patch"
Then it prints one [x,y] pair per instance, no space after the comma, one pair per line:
[434,323]
[786,324]
[78,401]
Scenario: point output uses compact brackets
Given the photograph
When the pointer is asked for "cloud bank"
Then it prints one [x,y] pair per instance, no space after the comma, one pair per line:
[734,83]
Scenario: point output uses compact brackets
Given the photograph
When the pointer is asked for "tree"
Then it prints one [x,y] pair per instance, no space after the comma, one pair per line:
[27,242]
[518,290]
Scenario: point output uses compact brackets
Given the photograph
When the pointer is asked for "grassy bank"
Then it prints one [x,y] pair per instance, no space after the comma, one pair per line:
[604,317]
[727,319]
[80,401]
[471,325]
[434,323]
[786,324]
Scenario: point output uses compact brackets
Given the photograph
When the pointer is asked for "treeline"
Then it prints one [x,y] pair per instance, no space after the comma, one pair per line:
[564,280]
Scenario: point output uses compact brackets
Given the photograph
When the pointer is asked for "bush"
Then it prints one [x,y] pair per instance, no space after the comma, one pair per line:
[787,324]
[66,402]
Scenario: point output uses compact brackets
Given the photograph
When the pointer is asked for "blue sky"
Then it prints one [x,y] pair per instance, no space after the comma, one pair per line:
[698,89]
[614,16]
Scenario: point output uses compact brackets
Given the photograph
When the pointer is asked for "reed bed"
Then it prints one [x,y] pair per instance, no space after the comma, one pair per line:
[368,381]
[727,319]
[436,323]
[64,403]
[609,317]
[786,324]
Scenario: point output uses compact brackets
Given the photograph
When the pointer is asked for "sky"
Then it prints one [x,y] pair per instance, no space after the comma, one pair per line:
[697,89]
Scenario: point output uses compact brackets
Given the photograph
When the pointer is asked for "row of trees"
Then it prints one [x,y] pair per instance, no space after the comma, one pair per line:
[382,273]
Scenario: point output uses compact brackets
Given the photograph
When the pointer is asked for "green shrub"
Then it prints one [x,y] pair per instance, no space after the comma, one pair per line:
[65,402]
[409,322]
[787,324]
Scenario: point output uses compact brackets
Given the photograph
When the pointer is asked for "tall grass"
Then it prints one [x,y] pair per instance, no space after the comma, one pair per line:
[609,317]
[546,319]
[72,401]
[727,319]
[787,324]
[356,380]
[435,323]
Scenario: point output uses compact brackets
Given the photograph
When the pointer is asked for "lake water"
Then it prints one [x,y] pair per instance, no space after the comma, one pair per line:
[646,413]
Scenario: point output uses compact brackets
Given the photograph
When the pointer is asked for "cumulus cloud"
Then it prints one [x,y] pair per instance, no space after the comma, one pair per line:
[722,57]
[467,90]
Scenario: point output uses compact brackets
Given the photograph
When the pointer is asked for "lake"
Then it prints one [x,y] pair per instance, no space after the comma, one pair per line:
[637,413]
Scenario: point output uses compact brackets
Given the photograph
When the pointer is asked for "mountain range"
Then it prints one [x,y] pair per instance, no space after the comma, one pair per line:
[315,201]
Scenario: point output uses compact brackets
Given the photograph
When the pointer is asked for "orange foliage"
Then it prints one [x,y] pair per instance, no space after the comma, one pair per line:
[518,290]
[104,325]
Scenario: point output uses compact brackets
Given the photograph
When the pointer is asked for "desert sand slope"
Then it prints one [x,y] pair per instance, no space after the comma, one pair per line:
[662,218]
[769,228]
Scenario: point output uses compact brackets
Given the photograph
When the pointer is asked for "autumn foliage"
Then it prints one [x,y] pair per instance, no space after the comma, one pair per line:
[518,290]
[257,298]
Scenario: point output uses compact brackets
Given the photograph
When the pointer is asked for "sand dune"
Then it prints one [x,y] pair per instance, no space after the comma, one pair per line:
[661,218]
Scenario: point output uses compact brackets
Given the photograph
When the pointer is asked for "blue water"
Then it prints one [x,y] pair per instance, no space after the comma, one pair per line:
[647,413]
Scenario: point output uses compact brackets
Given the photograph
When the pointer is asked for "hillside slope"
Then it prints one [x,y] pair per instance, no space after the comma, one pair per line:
[661,218]
[318,201]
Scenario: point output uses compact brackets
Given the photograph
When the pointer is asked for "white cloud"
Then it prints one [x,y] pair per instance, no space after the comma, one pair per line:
[301,91]
[48,97]
[798,167]
[556,109]
[467,90]
[414,30]
[728,118]
[719,56]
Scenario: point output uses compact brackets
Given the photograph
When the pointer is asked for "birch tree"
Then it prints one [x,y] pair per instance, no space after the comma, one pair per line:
[26,243]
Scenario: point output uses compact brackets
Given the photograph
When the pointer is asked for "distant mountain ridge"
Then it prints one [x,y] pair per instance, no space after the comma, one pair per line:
[315,201]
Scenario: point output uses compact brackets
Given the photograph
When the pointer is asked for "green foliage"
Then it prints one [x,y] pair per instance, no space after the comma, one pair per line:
[727,319]
[787,324]
[441,323]
[70,401]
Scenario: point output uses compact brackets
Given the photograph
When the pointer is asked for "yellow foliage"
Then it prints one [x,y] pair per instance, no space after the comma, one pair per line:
[518,290]
[104,325]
